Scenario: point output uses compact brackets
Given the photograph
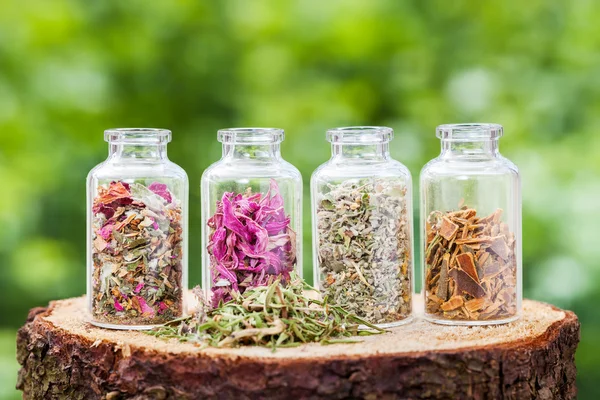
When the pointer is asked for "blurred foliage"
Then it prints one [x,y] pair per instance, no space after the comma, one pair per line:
[70,69]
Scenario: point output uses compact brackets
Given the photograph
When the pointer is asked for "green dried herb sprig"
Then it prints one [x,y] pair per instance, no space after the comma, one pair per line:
[272,316]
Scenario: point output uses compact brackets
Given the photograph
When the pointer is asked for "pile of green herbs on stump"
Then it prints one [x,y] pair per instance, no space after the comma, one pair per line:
[272,316]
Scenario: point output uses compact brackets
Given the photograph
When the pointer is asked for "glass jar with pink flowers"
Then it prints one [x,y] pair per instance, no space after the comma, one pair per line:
[251,214]
[136,232]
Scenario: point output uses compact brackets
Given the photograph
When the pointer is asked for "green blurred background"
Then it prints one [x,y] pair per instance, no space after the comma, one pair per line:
[70,69]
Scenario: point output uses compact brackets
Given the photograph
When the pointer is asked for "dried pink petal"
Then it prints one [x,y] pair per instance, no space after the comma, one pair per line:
[162,307]
[109,199]
[250,241]
[106,231]
[219,247]
[118,306]
[139,287]
[230,220]
[146,309]
[161,190]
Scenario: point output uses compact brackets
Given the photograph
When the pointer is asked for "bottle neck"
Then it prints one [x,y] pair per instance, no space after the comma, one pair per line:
[239,151]
[137,152]
[357,152]
[485,148]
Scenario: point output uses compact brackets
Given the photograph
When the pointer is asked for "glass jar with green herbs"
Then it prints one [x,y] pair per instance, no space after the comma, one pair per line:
[362,226]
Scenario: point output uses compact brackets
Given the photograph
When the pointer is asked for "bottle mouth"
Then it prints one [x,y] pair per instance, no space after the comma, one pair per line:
[137,136]
[360,135]
[469,132]
[250,136]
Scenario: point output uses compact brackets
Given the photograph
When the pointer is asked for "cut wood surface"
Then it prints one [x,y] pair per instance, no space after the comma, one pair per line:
[64,357]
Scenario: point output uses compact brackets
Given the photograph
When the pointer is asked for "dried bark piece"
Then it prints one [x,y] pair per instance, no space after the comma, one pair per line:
[465,231]
[497,215]
[500,247]
[448,229]
[452,304]
[464,213]
[472,241]
[469,213]
[492,269]
[475,304]
[466,284]
[506,296]
[493,217]
[467,264]
[432,249]
[492,310]
[482,257]
[461,221]
[442,290]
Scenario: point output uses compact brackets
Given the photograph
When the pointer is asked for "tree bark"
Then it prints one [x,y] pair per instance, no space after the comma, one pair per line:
[63,357]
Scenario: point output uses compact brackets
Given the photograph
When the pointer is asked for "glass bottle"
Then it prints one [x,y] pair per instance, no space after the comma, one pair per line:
[136,232]
[362,226]
[471,229]
[251,214]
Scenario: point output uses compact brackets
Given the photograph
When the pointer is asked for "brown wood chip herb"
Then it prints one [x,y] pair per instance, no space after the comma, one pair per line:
[471,270]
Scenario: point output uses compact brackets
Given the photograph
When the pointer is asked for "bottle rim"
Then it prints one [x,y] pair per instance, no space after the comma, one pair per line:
[469,131]
[251,136]
[139,136]
[360,135]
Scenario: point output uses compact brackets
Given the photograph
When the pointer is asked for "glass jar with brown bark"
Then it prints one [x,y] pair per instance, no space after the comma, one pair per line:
[471,229]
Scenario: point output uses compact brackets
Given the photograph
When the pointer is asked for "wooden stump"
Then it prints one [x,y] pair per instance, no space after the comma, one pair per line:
[63,357]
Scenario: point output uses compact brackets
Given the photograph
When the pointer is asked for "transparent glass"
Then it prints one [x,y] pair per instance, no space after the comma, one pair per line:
[362,226]
[251,214]
[136,232]
[471,229]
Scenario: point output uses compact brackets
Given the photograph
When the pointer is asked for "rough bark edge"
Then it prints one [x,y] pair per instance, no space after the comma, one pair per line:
[56,365]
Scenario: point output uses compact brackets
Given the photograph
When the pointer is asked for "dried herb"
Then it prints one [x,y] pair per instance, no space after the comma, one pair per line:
[273,315]
[364,248]
[251,240]
[471,266]
[137,254]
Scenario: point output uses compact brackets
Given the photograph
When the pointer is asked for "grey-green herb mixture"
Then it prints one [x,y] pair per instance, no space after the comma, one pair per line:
[364,248]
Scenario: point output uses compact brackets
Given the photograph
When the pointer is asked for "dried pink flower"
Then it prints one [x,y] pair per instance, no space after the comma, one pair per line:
[146,309]
[118,306]
[139,287]
[251,241]
[161,190]
[110,199]
[162,307]
[106,231]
